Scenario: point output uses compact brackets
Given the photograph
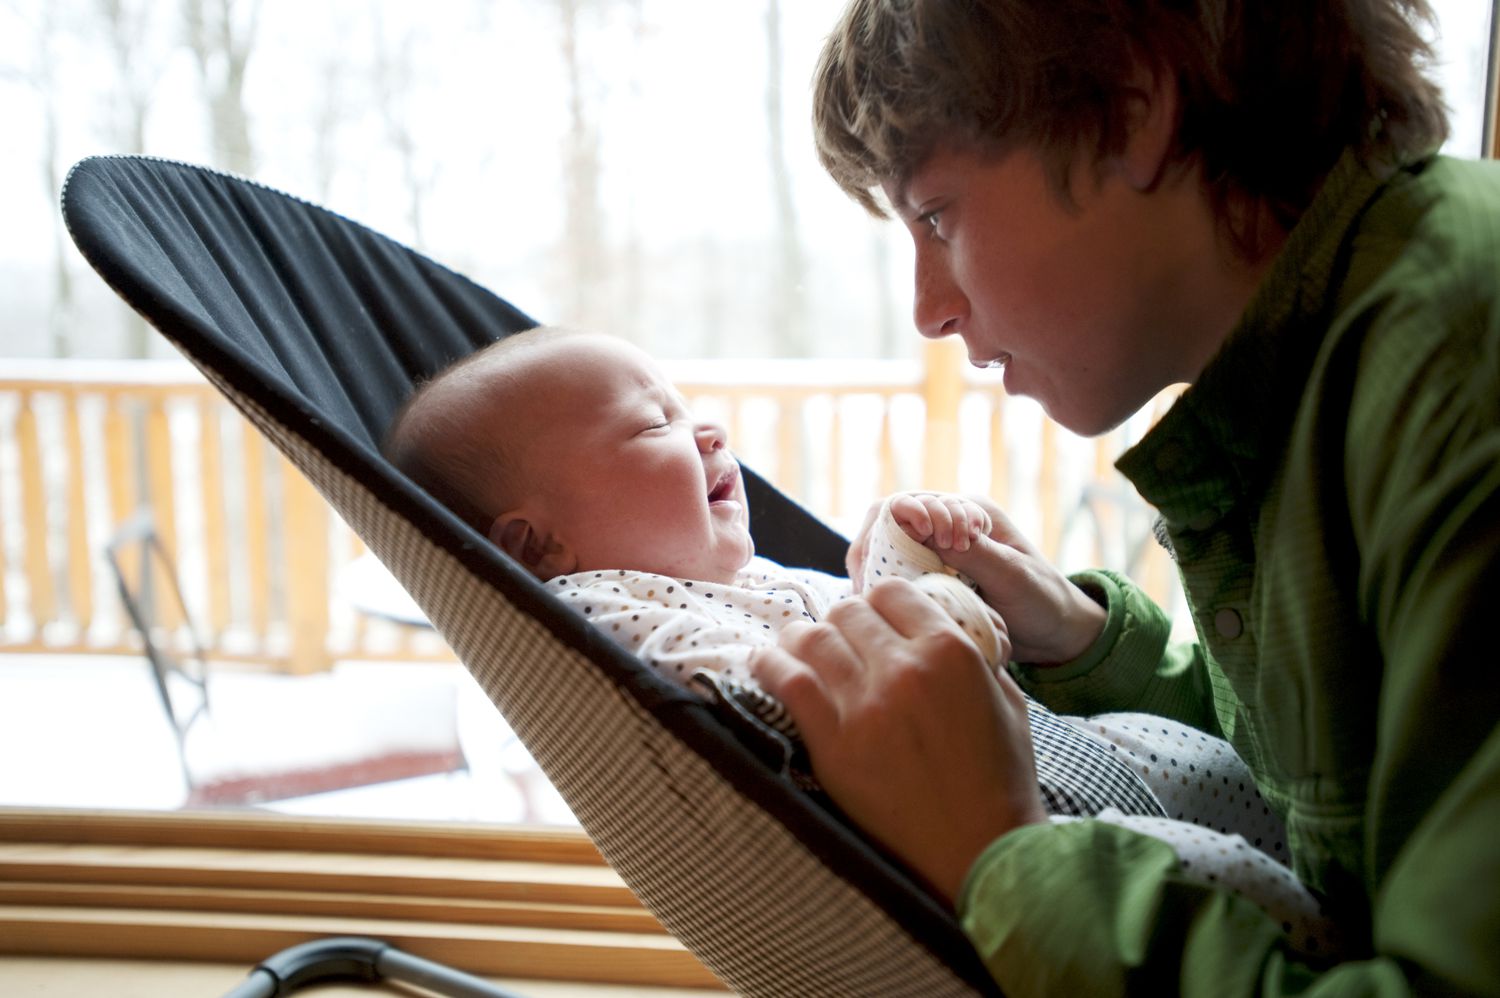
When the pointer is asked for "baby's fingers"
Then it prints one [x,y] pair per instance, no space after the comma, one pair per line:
[941,515]
[977,522]
[963,520]
[912,514]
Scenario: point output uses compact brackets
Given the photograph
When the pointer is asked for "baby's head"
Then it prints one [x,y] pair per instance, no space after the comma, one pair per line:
[572,452]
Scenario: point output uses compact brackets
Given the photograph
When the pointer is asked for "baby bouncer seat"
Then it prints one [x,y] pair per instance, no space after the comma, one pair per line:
[317,329]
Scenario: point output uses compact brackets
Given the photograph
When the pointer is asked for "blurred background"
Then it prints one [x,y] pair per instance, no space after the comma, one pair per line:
[640,166]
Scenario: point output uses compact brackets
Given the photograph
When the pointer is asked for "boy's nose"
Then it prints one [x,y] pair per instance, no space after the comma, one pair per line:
[711,437]
[939,306]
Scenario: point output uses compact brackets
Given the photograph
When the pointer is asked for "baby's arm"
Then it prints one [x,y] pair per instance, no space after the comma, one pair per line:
[700,636]
[1224,833]
[906,537]
[662,622]
[680,626]
[991,558]
[1226,861]
[952,527]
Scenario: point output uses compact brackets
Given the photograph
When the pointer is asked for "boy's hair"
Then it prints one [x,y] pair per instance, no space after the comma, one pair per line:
[1271,91]
[438,438]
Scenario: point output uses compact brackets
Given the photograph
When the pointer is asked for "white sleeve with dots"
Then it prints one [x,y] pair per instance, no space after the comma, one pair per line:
[678,626]
[1225,834]
[893,553]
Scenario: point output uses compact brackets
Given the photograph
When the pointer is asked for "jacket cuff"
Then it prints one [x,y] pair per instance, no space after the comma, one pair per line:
[1120,663]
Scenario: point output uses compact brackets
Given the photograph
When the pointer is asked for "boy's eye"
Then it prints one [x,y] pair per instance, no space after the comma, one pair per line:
[930,219]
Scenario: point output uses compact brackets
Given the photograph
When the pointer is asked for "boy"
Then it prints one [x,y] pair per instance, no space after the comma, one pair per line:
[1107,199]
[578,458]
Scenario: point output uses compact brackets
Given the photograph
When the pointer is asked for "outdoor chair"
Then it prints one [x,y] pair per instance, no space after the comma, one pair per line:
[252,737]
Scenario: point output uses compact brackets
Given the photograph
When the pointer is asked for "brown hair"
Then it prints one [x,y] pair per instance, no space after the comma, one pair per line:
[438,440]
[1271,91]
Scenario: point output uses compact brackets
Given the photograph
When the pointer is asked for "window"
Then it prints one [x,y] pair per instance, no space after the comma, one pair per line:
[600,163]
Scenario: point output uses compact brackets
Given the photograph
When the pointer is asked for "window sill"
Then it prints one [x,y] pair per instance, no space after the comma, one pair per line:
[234,888]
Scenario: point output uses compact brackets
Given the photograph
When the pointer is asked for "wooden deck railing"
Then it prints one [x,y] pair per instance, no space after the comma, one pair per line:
[83,444]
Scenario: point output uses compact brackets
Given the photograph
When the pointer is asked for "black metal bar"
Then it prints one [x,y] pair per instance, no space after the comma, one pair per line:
[361,959]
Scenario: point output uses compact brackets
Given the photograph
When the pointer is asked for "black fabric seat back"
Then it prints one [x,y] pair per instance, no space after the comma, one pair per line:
[317,329]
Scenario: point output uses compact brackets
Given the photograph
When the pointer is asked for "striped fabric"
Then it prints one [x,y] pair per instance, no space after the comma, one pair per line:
[1076,775]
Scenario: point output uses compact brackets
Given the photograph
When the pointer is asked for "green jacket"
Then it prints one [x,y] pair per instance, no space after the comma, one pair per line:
[1330,489]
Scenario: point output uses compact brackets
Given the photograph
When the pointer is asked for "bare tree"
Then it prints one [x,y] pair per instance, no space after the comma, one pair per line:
[128,33]
[40,76]
[788,326]
[329,109]
[394,76]
[221,36]
[127,29]
[583,227]
[632,265]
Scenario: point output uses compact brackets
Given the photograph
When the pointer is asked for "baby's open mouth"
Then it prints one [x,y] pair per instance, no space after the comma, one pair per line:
[723,488]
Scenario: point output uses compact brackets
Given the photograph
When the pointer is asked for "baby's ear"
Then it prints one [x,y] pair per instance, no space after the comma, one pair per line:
[541,553]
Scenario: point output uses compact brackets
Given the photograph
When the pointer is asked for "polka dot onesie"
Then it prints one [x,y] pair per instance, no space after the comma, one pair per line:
[1224,832]
[679,626]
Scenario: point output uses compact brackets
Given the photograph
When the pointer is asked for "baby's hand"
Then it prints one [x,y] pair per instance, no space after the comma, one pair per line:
[941,522]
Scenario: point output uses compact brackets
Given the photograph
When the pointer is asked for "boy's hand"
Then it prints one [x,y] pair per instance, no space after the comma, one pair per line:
[1050,619]
[941,522]
[908,729]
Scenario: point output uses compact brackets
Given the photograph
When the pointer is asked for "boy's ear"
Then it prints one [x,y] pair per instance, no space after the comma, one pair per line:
[541,552]
[1151,127]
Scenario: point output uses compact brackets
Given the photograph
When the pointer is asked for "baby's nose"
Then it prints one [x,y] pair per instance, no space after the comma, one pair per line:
[711,437]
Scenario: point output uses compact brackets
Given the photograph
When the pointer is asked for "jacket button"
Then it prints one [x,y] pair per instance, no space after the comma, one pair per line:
[1228,623]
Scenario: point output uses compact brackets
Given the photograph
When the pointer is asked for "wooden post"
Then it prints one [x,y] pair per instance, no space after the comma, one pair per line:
[119,457]
[4,570]
[887,451]
[160,482]
[120,462]
[34,517]
[80,558]
[161,494]
[942,390]
[215,526]
[307,576]
[835,458]
[257,545]
[789,446]
[999,459]
[1047,497]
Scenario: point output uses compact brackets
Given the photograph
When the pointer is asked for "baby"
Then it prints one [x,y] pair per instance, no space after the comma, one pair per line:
[582,462]
[578,458]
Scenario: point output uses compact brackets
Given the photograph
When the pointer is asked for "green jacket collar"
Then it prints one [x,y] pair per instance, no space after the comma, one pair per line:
[1220,441]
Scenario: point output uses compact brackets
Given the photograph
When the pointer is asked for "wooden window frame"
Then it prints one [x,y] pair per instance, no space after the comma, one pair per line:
[1491,141]
[236,887]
